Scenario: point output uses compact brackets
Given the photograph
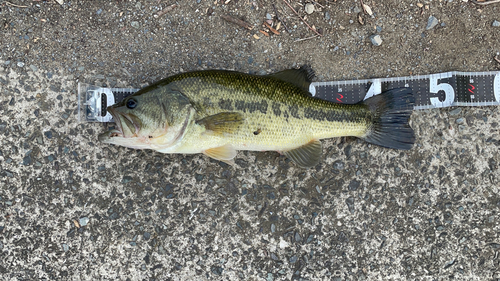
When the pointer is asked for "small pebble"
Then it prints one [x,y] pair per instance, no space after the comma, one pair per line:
[298,238]
[455,111]
[20,64]
[327,16]
[495,23]
[268,16]
[135,24]
[310,238]
[84,221]
[376,40]
[27,160]
[99,11]
[7,62]
[309,8]
[431,22]
[65,247]
[33,67]
[460,120]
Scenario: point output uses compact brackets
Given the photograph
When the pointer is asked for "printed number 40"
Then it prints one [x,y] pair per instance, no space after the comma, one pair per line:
[435,87]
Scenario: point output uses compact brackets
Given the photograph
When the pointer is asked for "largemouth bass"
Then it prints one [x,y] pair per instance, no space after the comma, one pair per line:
[219,112]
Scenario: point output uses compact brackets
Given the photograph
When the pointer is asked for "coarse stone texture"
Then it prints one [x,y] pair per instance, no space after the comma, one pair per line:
[72,208]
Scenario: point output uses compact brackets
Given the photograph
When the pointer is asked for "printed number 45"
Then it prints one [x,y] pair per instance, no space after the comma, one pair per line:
[435,87]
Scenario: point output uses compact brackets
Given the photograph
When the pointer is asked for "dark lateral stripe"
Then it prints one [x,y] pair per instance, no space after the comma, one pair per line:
[333,115]
[250,107]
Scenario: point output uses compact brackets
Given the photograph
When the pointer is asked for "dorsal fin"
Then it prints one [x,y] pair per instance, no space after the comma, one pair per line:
[301,77]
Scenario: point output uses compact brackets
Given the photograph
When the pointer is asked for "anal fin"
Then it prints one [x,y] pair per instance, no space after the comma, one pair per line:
[307,155]
[224,153]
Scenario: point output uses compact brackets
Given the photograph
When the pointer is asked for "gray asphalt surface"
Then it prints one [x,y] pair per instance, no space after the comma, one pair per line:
[74,209]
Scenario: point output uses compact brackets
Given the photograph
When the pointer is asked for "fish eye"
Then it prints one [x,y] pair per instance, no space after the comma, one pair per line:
[131,103]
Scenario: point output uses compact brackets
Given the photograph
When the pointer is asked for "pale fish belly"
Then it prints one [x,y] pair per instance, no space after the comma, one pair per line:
[261,132]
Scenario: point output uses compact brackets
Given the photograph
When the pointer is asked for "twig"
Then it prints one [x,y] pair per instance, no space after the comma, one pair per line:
[239,22]
[485,3]
[280,20]
[166,10]
[265,33]
[272,29]
[302,18]
[318,4]
[303,39]
[14,5]
[496,58]
[363,6]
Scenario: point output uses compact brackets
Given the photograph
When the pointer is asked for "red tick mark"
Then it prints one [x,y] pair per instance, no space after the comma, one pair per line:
[471,90]
[341,97]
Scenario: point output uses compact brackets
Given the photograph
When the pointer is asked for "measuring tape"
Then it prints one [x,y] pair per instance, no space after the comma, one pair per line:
[430,91]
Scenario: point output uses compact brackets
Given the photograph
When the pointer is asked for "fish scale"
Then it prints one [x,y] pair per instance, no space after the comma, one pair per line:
[254,97]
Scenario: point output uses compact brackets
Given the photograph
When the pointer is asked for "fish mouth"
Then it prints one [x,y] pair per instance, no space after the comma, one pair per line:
[107,137]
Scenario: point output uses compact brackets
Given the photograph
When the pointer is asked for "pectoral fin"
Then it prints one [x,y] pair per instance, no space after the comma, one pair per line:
[307,155]
[225,122]
[223,153]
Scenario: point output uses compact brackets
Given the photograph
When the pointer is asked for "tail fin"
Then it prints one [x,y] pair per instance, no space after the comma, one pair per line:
[391,112]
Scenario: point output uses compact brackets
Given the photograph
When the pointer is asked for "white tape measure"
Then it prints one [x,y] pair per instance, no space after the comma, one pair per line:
[430,91]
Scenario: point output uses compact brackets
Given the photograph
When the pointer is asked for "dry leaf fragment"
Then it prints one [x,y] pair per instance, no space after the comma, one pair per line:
[360,19]
[256,37]
[263,32]
[367,9]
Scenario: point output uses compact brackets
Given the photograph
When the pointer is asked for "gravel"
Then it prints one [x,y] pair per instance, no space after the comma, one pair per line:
[431,23]
[376,40]
[73,208]
[309,8]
